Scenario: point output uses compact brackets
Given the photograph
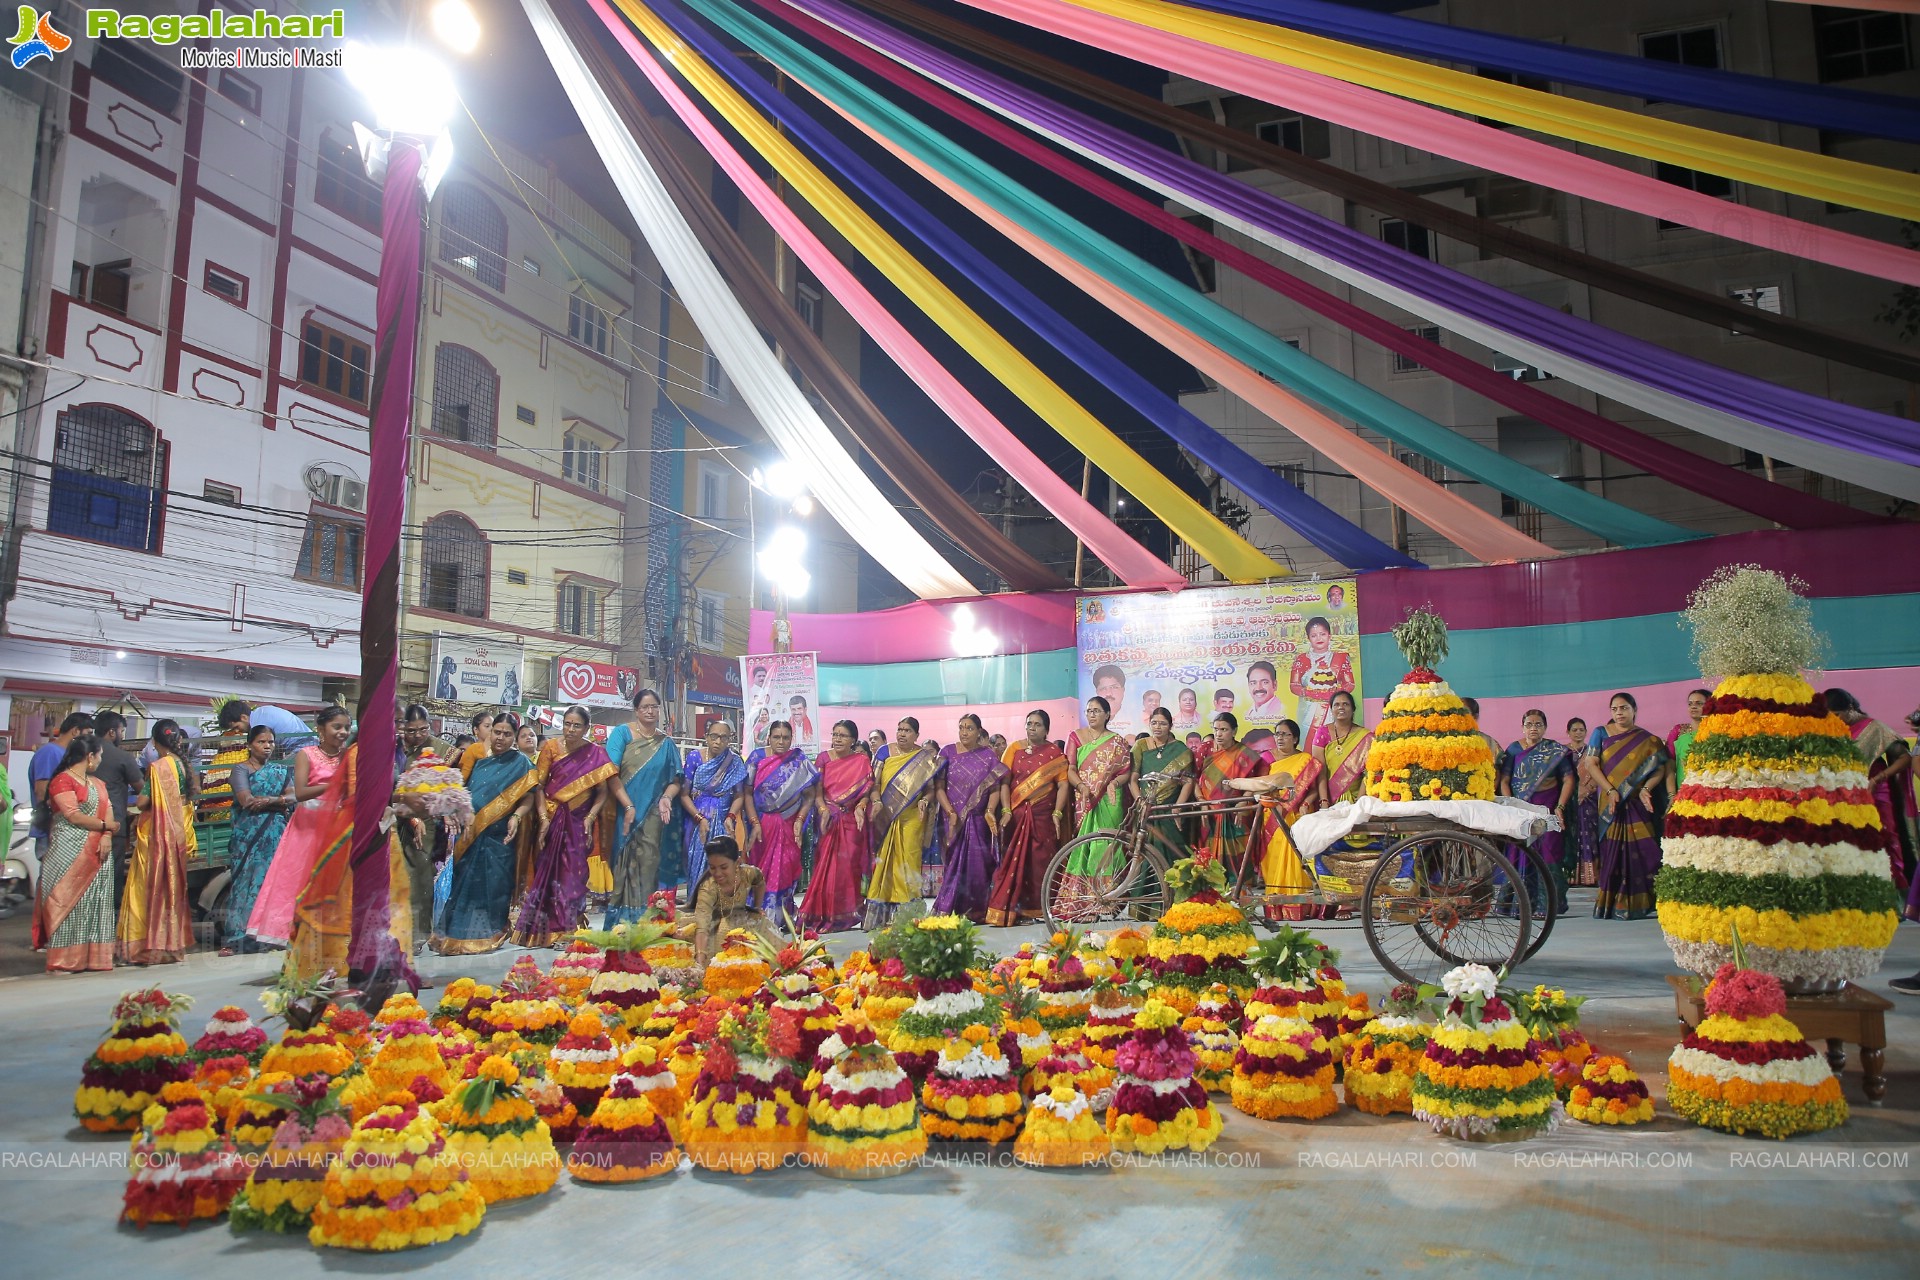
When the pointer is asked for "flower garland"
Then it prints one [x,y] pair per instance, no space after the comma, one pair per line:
[496,1135]
[1609,1092]
[1481,1076]
[142,1054]
[862,1118]
[1062,1131]
[1283,1070]
[395,1186]
[1747,1069]
[1157,1104]
[183,1169]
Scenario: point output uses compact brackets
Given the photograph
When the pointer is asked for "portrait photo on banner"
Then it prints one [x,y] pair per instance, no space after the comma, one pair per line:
[1266,654]
[780,686]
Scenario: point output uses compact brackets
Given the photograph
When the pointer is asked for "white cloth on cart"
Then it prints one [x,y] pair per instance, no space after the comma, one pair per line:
[1506,818]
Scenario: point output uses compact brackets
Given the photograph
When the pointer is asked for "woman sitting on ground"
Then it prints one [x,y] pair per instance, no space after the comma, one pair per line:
[723,900]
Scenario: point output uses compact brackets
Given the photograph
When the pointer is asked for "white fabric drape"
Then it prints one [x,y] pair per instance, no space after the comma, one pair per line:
[832,475]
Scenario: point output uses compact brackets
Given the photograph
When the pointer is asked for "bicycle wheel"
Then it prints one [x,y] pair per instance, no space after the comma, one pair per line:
[1430,905]
[1116,886]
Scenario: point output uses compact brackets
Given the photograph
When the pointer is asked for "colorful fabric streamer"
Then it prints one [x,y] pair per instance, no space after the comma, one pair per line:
[1740,489]
[832,475]
[1181,304]
[1131,562]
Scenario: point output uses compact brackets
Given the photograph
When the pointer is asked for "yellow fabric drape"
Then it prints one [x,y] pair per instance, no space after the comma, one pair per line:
[1863,186]
[1233,555]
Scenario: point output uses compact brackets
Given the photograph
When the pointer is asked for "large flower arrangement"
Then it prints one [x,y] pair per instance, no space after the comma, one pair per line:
[537,1021]
[316,1051]
[663,1019]
[142,1053]
[1773,830]
[291,1173]
[183,1169]
[628,1139]
[1157,1104]
[1481,1076]
[401,1006]
[1426,746]
[525,981]
[1747,1069]
[1021,1009]
[974,1093]
[861,1119]
[1383,1057]
[1202,940]
[1283,1070]
[1609,1092]
[1062,1131]
[937,951]
[550,1101]
[231,1032]
[395,1186]
[495,1134]
[1297,980]
[583,1064]
[1066,989]
[410,1052]
[354,1029]
[738,970]
[1069,1064]
[575,968]
[745,1111]
[1214,1030]
[224,1080]
[1552,1018]
[793,986]
[891,994]
[621,976]
[645,1068]
[1117,1001]
[672,962]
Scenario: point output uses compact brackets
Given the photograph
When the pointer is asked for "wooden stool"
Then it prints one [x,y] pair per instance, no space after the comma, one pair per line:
[1850,1016]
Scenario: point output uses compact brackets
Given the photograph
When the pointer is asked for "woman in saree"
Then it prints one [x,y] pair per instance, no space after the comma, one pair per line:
[73,919]
[576,783]
[156,924]
[783,783]
[1625,764]
[649,765]
[970,781]
[1281,870]
[322,808]
[1225,829]
[903,775]
[485,855]
[1540,771]
[1343,760]
[262,803]
[832,901]
[1163,774]
[1315,677]
[713,788]
[1889,779]
[1099,765]
[1582,815]
[725,898]
[1033,799]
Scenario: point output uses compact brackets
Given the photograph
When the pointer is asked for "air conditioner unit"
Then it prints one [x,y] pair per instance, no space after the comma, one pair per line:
[352,494]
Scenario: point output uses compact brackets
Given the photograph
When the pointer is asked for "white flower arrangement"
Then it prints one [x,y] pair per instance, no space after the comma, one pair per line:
[1469,981]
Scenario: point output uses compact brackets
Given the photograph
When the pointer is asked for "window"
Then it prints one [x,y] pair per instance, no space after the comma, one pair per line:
[473,235]
[1403,363]
[340,181]
[516,577]
[138,74]
[466,395]
[227,495]
[1693,47]
[1303,135]
[331,550]
[109,478]
[523,414]
[712,619]
[810,301]
[1294,473]
[1519,370]
[453,566]
[586,323]
[581,460]
[1430,468]
[107,285]
[333,362]
[529,266]
[579,609]
[713,494]
[237,88]
[1707,184]
[1410,236]
[713,378]
[229,285]
[1851,44]
[1764,296]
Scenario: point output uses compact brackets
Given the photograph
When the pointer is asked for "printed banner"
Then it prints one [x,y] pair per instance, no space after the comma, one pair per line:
[552,720]
[468,669]
[594,684]
[716,681]
[1266,654]
[781,686]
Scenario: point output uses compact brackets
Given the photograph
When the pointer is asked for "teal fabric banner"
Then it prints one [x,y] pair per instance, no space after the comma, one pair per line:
[956,682]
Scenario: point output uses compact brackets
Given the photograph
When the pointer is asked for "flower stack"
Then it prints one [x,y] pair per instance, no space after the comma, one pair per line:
[410,1052]
[1354,1018]
[355,1030]
[663,1018]
[1297,979]
[1069,1064]
[497,1137]
[583,1064]
[891,994]
[1202,940]
[1552,1018]
[538,1021]
[861,1119]
[401,1006]
[395,1186]
[231,1033]
[794,971]
[314,1052]
[1117,1001]
[575,968]
[622,979]
[550,1101]
[143,1053]
[1021,1017]
[287,1181]
[1066,993]
[525,981]
[937,951]
[1213,1028]
[1746,1068]
[1157,1104]
[1427,746]
[450,1013]
[1383,1057]
[646,1068]
[973,1094]
[1609,1092]
[629,1137]
[738,970]
[838,1041]
[1774,829]
[183,1169]
[671,960]
[745,1111]
[1481,1077]
[1284,1066]
[252,1120]
[1062,1131]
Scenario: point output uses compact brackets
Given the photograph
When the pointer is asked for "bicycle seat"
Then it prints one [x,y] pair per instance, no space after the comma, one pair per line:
[1262,786]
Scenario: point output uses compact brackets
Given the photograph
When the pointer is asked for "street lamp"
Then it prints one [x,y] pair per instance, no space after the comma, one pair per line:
[456,26]
[781,561]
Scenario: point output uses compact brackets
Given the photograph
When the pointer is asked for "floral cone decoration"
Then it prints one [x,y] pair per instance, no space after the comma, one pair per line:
[793,985]
[1021,1017]
[745,1111]
[539,1021]
[862,1121]
[583,1064]
[395,1186]
[448,1015]
[183,1169]
[307,1053]
[622,977]
[287,1181]
[354,1029]
[738,970]
[1214,1031]
[646,1068]
[402,1006]
[1066,988]
[410,1052]
[1283,1070]
[1383,1057]
[1062,1131]
[838,1041]
[1552,1018]
[974,1093]
[1481,1077]
[1426,746]
[1202,940]
[550,1101]
[1746,1068]
[1157,1104]
[1297,979]
[224,1081]
[628,1139]
[937,951]
[143,1053]
[496,1135]
[663,1019]
[1117,1001]
[1354,1018]
[230,1031]
[891,995]
[1609,1092]
[575,968]
[672,962]
[1774,829]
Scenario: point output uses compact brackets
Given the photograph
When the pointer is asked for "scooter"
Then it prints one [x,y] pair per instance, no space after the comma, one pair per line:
[20,872]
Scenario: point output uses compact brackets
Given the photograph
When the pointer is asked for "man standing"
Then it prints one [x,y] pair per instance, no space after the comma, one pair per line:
[46,763]
[1262,682]
[121,774]
[421,838]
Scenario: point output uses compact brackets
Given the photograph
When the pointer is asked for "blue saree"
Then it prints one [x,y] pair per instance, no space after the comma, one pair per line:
[645,851]
[711,785]
[255,835]
[484,862]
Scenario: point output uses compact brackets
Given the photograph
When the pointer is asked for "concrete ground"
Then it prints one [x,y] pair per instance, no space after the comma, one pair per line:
[1354,1195]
